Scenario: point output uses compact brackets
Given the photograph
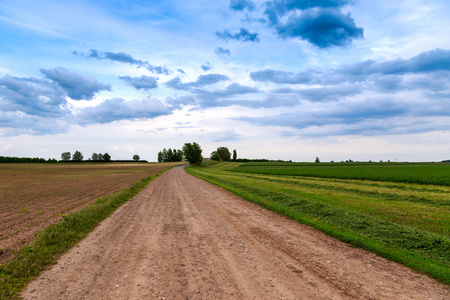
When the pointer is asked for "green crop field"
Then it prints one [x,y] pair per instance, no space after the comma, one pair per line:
[437,173]
[399,211]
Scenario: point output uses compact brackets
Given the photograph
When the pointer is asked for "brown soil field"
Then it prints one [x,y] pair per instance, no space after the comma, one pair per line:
[184,238]
[32,196]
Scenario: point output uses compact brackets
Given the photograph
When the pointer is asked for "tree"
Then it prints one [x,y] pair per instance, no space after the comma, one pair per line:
[106,157]
[178,155]
[170,155]
[317,160]
[94,156]
[136,157]
[224,153]
[100,157]
[234,154]
[77,156]
[215,156]
[193,153]
[163,156]
[65,156]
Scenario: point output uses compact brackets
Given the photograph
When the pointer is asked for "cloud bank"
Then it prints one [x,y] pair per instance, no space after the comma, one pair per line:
[356,98]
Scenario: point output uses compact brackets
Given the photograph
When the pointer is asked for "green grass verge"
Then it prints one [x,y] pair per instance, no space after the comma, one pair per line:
[58,238]
[419,249]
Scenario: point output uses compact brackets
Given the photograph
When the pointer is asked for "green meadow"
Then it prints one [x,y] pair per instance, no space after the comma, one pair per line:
[400,211]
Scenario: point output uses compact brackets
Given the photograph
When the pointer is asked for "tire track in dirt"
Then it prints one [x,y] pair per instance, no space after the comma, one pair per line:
[183,238]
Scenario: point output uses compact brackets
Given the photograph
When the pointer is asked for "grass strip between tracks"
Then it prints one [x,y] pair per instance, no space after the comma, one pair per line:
[420,250]
[58,238]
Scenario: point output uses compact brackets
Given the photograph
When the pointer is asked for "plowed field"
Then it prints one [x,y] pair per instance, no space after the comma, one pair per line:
[32,196]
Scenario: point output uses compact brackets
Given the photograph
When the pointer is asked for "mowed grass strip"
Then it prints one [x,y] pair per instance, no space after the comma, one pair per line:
[421,173]
[364,213]
[426,209]
[58,238]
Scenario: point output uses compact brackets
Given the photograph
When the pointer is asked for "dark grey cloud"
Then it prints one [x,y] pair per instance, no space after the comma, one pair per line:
[143,82]
[118,109]
[222,51]
[323,28]
[275,76]
[202,80]
[243,35]
[127,58]
[321,22]
[241,5]
[77,86]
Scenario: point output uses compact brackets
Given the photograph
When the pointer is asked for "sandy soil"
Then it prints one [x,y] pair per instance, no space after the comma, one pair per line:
[183,238]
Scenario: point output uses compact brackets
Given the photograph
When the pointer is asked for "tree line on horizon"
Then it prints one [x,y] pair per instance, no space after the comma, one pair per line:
[78,157]
[26,160]
[96,157]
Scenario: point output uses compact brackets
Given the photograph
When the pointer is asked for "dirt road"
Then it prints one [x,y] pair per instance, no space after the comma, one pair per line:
[183,238]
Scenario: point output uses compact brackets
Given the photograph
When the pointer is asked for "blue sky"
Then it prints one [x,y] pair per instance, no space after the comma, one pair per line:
[281,79]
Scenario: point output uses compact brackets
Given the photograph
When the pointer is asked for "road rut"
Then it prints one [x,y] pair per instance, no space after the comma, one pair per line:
[183,238]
